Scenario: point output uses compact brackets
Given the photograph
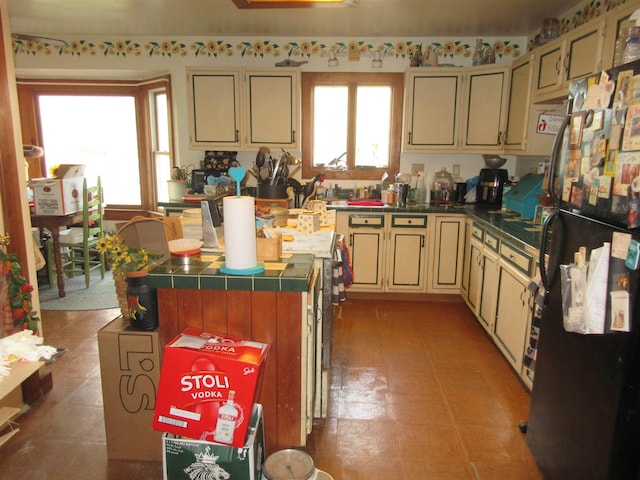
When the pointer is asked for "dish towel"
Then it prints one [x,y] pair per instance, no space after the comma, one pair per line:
[342,275]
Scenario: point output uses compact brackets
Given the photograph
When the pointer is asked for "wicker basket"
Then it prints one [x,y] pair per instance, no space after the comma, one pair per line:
[121,292]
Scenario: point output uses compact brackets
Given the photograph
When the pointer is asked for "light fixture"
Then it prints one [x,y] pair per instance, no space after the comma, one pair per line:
[333,60]
[294,3]
[377,60]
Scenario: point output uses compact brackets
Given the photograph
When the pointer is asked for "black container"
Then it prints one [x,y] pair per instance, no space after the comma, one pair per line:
[490,186]
[266,190]
[460,192]
[142,302]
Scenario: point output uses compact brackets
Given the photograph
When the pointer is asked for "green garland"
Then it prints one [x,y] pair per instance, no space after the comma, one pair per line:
[19,293]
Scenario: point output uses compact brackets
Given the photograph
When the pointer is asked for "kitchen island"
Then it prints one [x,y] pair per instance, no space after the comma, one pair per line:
[278,306]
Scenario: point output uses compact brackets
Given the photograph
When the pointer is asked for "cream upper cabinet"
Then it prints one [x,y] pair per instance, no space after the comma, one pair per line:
[519,104]
[272,109]
[432,106]
[485,109]
[575,55]
[617,26]
[214,109]
[244,109]
[446,247]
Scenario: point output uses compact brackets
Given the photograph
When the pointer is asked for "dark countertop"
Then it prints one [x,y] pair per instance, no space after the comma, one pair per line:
[523,232]
[293,273]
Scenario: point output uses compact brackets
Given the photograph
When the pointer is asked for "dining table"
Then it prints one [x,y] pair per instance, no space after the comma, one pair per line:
[53,223]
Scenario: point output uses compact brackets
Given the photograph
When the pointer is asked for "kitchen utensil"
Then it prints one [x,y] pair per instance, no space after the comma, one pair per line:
[493,161]
[274,174]
[261,156]
[385,175]
[264,174]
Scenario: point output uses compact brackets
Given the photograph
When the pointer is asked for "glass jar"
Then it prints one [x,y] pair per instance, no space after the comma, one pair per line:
[478,53]
[631,50]
[550,30]
[442,185]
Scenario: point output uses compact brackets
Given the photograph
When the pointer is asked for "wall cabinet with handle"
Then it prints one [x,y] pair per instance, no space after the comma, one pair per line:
[575,55]
[432,109]
[244,108]
[485,109]
[388,251]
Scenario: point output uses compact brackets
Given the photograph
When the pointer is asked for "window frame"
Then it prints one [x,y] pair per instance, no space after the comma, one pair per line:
[141,90]
[352,79]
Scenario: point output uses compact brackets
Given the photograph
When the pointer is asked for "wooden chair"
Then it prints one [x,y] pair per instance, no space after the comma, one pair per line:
[83,256]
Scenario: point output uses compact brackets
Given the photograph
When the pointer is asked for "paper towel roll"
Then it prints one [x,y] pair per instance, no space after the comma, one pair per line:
[239,232]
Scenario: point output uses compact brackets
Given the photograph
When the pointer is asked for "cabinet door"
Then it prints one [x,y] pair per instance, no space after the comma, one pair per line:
[464,285]
[485,112]
[432,103]
[214,109]
[512,314]
[367,248]
[519,103]
[475,275]
[445,253]
[273,109]
[406,259]
[584,51]
[549,67]
[488,291]
[617,27]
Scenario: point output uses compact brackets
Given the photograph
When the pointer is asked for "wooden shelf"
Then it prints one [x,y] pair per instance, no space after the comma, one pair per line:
[20,371]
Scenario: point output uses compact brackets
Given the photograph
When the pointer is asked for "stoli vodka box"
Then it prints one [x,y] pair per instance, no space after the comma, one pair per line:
[61,195]
[208,385]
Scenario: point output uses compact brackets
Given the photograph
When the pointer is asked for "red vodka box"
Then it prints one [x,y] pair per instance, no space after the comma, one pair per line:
[208,385]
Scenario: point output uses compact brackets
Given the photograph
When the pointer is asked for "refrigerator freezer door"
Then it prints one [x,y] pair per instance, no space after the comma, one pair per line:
[584,386]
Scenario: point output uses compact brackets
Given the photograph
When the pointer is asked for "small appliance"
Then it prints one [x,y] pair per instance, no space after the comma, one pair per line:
[490,186]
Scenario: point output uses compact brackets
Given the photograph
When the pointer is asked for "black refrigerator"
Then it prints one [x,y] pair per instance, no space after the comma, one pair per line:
[584,420]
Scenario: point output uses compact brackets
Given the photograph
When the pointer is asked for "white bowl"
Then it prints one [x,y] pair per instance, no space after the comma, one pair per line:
[184,245]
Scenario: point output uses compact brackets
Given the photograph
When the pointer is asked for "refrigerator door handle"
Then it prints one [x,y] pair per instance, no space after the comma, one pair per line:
[555,158]
[544,275]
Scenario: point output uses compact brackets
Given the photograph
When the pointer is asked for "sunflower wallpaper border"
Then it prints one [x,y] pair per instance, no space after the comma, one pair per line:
[262,48]
[258,48]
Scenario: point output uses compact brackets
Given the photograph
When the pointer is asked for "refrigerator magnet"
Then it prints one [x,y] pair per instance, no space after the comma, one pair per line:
[619,310]
[633,256]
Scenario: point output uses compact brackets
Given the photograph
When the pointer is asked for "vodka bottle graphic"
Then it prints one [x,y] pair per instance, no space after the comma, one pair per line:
[226,425]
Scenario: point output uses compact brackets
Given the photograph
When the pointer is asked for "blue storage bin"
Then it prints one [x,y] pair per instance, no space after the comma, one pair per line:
[521,198]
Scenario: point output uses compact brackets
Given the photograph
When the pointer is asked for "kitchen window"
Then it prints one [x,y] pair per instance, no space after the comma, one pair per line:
[351,124]
[119,130]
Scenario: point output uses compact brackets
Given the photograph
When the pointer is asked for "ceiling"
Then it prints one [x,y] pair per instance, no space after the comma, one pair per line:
[405,18]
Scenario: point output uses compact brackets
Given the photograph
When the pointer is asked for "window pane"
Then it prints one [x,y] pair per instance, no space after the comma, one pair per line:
[373,123]
[330,110]
[99,132]
[163,173]
[162,122]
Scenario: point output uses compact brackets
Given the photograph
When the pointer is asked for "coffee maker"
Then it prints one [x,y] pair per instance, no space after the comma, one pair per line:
[491,181]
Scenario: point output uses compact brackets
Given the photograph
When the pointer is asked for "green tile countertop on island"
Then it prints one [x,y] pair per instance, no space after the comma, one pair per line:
[293,273]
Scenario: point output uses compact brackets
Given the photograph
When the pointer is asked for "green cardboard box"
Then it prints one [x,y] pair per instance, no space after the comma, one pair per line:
[185,458]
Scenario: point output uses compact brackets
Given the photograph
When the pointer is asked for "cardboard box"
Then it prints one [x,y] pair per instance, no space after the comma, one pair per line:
[61,195]
[269,249]
[199,371]
[130,371]
[184,459]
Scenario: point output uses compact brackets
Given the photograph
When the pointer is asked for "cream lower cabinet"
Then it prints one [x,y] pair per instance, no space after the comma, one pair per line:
[388,251]
[512,313]
[490,281]
[446,247]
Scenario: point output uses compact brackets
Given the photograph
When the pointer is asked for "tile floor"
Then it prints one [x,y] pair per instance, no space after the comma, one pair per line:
[417,392]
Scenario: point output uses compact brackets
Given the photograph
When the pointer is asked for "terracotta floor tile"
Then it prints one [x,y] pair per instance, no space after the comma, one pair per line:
[417,391]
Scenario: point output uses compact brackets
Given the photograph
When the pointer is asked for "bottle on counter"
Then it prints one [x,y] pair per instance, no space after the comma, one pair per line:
[421,190]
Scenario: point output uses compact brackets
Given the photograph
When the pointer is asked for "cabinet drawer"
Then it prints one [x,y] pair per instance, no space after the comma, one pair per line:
[404,221]
[371,221]
[491,241]
[516,257]
[477,232]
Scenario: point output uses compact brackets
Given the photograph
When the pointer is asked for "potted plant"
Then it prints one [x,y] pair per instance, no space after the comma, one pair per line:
[130,265]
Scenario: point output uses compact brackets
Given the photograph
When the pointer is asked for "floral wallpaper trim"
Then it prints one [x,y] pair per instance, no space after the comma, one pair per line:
[256,48]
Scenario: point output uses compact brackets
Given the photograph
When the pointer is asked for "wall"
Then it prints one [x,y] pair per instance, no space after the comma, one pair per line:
[145,57]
